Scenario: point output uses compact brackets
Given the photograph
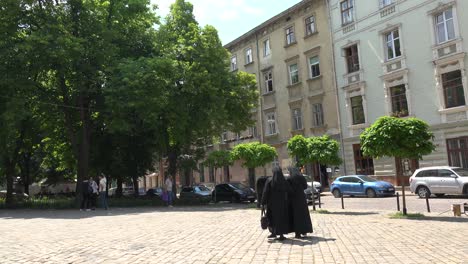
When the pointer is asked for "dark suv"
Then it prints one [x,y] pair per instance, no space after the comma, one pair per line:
[233,192]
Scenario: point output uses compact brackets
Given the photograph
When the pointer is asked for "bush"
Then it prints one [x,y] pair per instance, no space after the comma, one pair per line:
[41,203]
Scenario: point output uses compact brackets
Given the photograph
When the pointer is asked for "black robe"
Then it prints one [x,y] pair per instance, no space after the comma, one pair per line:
[299,210]
[276,201]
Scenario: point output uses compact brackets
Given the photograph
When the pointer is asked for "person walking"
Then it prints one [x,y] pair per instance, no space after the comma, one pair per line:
[275,198]
[168,184]
[103,191]
[85,195]
[300,221]
[94,193]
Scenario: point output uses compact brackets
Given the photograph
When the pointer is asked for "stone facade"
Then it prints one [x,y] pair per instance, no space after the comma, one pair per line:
[403,58]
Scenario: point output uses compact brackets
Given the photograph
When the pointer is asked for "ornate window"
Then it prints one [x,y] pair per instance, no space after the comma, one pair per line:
[290,36]
[296,119]
[310,25]
[268,81]
[293,74]
[347,12]
[357,110]
[393,47]
[444,26]
[453,89]
[314,65]
[399,102]
[352,58]
[364,165]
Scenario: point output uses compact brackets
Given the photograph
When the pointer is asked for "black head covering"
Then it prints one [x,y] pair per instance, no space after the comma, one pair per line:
[294,171]
[278,182]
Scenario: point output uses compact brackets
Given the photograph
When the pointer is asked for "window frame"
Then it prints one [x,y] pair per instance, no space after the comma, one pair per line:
[366,164]
[272,125]
[297,120]
[352,58]
[290,35]
[233,62]
[385,3]
[444,23]
[311,67]
[310,26]
[355,107]
[460,101]
[269,81]
[393,42]
[349,11]
[317,115]
[248,55]
[457,155]
[397,100]
[295,72]
[266,47]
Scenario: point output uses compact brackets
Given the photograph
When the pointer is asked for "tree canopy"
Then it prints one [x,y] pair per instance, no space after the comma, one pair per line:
[254,154]
[323,150]
[397,137]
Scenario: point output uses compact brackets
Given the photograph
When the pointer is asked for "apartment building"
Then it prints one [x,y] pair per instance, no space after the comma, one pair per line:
[290,54]
[403,58]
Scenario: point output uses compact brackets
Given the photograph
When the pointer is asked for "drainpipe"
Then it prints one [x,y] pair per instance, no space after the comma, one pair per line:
[335,84]
[259,89]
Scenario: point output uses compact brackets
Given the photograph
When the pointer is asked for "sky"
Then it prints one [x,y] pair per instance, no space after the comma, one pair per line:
[232,18]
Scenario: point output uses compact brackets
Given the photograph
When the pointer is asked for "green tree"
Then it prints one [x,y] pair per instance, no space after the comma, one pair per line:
[408,138]
[203,96]
[253,155]
[323,150]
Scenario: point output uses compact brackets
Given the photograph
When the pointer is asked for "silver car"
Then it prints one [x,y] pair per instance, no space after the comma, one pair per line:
[439,181]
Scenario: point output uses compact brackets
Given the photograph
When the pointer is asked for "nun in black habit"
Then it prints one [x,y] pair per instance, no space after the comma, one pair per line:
[275,198]
[300,221]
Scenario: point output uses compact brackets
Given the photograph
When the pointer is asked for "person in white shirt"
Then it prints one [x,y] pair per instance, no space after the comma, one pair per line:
[103,192]
[168,184]
[94,194]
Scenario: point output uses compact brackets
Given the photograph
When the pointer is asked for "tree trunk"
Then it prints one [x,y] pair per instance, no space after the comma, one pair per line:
[172,170]
[9,171]
[84,146]
[118,191]
[252,178]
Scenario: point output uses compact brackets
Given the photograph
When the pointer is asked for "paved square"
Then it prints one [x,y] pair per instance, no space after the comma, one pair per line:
[224,234]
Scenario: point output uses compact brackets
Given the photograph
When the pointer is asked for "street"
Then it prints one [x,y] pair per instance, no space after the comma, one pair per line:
[231,233]
[413,203]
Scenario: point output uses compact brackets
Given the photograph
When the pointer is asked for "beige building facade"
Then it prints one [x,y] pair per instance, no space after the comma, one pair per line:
[290,55]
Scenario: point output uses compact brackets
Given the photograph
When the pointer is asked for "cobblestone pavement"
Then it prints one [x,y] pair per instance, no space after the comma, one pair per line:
[225,234]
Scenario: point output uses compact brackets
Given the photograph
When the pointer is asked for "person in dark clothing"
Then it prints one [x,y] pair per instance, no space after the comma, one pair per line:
[275,198]
[301,223]
[85,195]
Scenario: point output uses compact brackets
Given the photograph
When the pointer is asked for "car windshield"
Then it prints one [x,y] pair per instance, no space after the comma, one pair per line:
[367,178]
[238,185]
[201,189]
[461,172]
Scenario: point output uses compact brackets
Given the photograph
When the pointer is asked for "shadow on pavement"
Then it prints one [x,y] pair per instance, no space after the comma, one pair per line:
[453,219]
[114,211]
[349,213]
[305,241]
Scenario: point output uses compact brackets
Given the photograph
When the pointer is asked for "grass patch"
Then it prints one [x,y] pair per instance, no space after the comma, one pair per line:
[399,215]
[253,206]
[320,211]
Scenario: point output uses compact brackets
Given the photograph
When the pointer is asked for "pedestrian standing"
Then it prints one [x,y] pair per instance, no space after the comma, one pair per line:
[168,184]
[300,221]
[85,194]
[94,194]
[275,198]
[103,191]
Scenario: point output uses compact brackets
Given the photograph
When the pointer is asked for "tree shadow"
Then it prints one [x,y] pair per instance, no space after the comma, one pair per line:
[347,213]
[114,211]
[453,219]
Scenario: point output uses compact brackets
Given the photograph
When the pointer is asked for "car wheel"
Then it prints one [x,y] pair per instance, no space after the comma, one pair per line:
[235,199]
[336,193]
[423,192]
[371,193]
[439,195]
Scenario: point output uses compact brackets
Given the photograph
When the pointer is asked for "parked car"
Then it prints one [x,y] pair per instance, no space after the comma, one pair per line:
[361,185]
[128,191]
[310,182]
[309,192]
[233,192]
[439,180]
[197,192]
[154,192]
[15,195]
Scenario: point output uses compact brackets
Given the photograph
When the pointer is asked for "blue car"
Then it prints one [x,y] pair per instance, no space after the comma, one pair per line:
[361,185]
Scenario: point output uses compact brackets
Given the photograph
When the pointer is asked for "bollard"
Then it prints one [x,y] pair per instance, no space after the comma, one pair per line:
[398,201]
[313,201]
[427,204]
[456,208]
[320,201]
[342,202]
